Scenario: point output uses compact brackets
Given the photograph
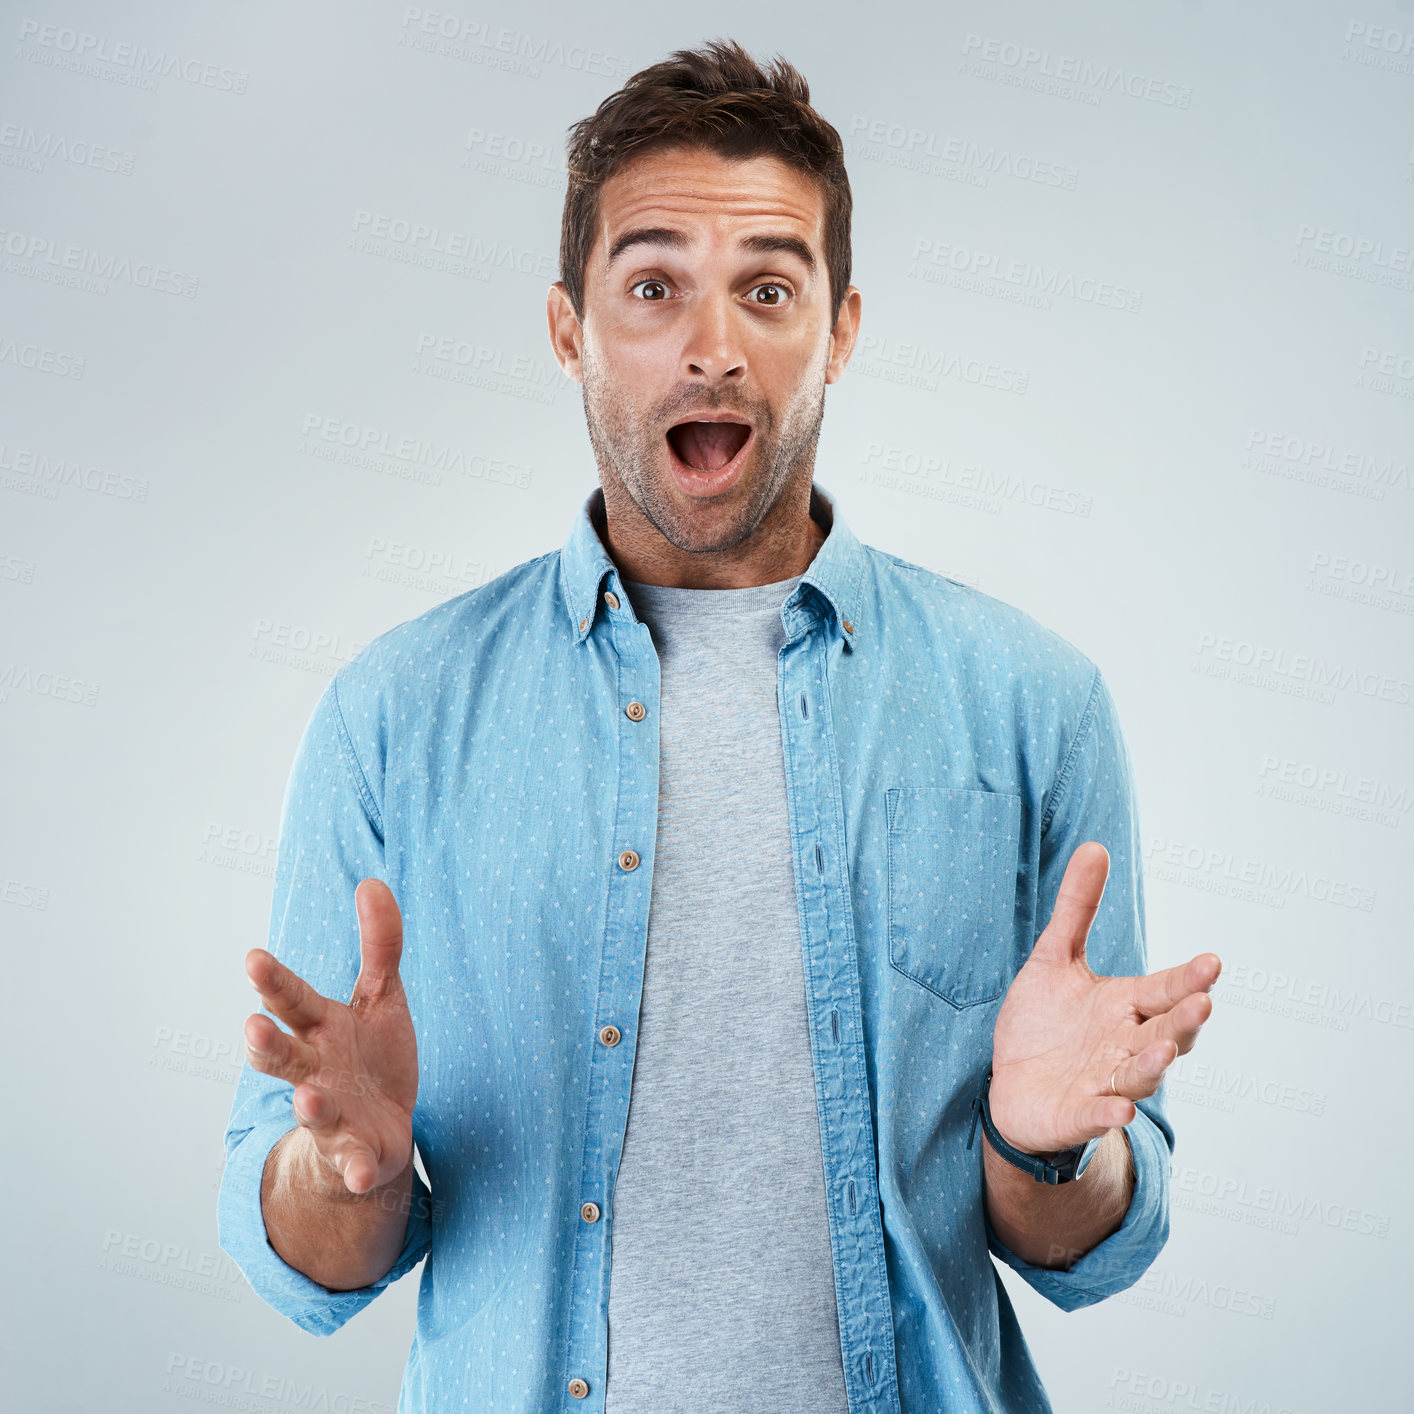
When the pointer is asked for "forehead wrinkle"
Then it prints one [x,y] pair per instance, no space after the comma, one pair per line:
[653,192]
[671,238]
[654,208]
[728,204]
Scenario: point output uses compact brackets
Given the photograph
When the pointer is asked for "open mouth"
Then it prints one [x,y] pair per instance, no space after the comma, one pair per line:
[708,446]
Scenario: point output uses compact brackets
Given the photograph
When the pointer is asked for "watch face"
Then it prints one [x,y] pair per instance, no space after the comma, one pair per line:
[1085,1155]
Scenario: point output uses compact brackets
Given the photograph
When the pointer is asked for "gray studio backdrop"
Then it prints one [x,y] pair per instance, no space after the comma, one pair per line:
[1137,355]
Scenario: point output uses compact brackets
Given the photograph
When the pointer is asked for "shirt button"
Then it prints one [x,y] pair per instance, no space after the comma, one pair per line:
[628,860]
[578,1388]
[611,599]
[848,627]
[582,624]
[611,1035]
[590,1212]
[635,711]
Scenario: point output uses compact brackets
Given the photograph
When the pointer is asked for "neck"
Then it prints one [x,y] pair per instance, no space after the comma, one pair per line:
[782,546]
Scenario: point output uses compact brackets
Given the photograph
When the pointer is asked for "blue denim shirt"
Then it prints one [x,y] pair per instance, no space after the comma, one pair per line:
[944,755]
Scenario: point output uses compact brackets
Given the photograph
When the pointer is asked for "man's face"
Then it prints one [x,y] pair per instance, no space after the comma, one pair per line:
[701,302]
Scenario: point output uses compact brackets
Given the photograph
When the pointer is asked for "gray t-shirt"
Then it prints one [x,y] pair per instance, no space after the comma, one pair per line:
[721,1294]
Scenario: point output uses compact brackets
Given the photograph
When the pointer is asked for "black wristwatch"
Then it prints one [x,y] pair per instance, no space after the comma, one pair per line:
[1058,1168]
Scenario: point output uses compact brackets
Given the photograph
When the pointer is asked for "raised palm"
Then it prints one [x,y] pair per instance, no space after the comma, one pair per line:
[1072,1051]
[354,1064]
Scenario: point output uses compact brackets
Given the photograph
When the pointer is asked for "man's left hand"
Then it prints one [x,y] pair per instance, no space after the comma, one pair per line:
[1062,1032]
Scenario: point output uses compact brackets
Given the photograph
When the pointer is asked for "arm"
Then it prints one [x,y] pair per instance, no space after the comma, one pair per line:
[1080,1010]
[1054,1225]
[273,1203]
[339,1239]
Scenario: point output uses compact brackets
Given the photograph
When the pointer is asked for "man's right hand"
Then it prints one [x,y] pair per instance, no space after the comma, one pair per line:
[354,1066]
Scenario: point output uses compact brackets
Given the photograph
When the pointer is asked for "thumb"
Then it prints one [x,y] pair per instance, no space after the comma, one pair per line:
[359,1167]
[1077,903]
[380,927]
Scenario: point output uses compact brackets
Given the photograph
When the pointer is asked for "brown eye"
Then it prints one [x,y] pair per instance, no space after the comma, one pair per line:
[771,285]
[657,284]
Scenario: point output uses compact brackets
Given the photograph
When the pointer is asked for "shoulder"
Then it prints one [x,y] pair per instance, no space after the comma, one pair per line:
[420,654]
[964,626]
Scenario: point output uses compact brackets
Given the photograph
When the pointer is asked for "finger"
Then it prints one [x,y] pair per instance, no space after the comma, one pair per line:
[380,927]
[1180,1024]
[360,1168]
[1110,1112]
[1082,887]
[316,1110]
[275,1052]
[1138,1077]
[1162,991]
[284,993]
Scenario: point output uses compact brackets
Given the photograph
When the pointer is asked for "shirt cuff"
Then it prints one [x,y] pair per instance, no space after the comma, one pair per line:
[1127,1253]
[241,1232]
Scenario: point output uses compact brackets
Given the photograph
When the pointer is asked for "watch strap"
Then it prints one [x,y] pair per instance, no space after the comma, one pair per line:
[1062,1167]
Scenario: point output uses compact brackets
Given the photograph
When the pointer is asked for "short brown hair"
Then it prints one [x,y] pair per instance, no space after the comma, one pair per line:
[720,98]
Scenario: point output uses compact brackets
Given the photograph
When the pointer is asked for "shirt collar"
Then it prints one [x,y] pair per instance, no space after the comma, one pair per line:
[836,573]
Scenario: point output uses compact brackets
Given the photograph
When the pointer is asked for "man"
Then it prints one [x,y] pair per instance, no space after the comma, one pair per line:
[700,872]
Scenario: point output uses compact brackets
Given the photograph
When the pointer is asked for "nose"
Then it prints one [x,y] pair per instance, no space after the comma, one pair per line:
[712,347]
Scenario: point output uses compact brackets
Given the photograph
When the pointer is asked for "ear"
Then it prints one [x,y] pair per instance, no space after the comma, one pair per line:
[843,335]
[566,332]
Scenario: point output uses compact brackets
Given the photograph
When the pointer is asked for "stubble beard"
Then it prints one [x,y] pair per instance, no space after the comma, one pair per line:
[630,449]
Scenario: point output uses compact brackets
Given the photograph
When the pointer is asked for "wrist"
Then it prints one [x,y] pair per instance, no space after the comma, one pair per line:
[305,1170]
[1001,1128]
[1047,1154]
[1049,1166]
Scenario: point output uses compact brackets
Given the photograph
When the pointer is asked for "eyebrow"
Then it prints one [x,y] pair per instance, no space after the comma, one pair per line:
[762,244]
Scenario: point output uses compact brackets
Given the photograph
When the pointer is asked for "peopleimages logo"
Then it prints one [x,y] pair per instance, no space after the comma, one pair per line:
[438,571]
[408,457]
[1377,262]
[1330,1004]
[1162,1290]
[968,268]
[919,366]
[1063,74]
[1143,1392]
[960,159]
[474,41]
[1379,47]
[1297,674]
[42,258]
[60,47]
[60,362]
[46,472]
[1319,463]
[1283,1209]
[903,469]
[521,159]
[1334,791]
[1262,881]
[1186,1079]
[216,1382]
[171,1264]
[23,145]
[57,687]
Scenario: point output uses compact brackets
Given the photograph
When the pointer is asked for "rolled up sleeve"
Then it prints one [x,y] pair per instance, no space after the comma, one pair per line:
[330,839]
[1094,798]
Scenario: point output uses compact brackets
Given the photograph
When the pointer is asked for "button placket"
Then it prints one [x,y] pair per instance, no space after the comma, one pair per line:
[616,987]
[833,1004]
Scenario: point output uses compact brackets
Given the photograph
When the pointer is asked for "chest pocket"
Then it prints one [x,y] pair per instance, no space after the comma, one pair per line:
[953,858]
